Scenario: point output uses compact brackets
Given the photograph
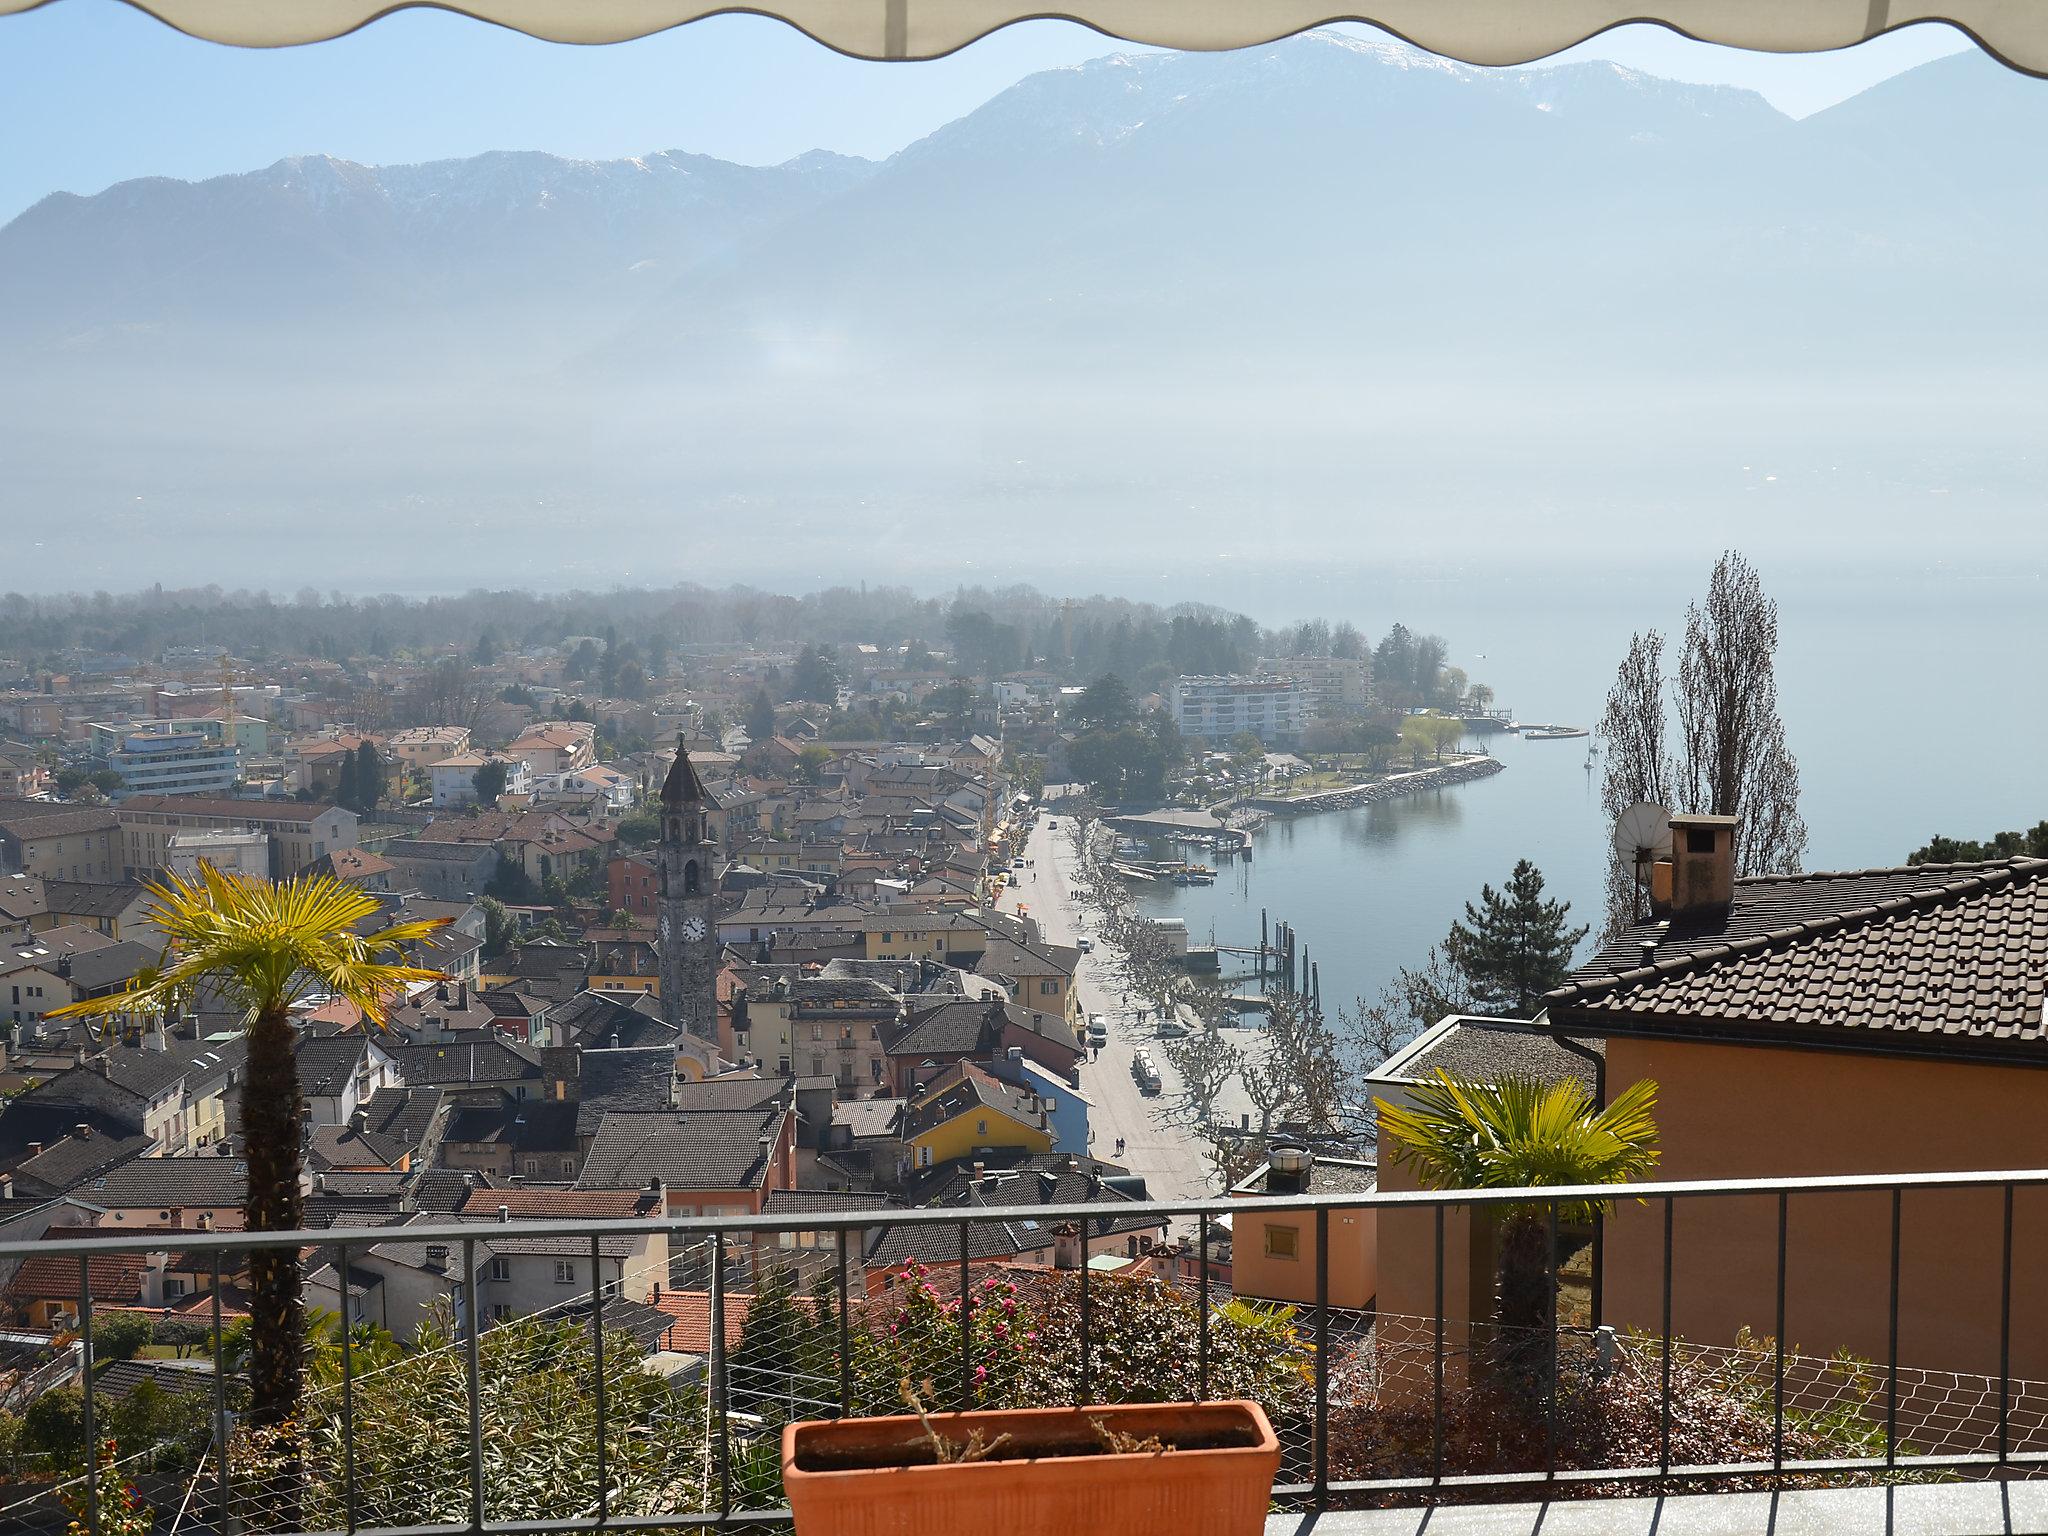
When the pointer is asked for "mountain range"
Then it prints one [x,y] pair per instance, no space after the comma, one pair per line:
[1150,282]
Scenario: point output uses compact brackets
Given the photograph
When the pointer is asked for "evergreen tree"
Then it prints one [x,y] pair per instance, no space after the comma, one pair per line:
[1514,946]
[814,677]
[760,717]
[489,782]
[369,778]
[345,790]
[1106,704]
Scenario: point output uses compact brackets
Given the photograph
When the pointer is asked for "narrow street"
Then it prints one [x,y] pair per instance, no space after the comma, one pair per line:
[1171,1157]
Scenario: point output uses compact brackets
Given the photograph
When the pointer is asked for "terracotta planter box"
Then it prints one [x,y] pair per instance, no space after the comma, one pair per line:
[876,1477]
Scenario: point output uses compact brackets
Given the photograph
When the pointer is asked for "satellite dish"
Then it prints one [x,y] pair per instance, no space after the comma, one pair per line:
[1642,835]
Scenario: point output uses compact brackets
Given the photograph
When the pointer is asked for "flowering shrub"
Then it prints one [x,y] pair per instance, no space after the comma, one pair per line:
[121,1510]
[1023,1344]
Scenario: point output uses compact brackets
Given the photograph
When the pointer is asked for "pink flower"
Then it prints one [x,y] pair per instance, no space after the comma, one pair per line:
[981,1373]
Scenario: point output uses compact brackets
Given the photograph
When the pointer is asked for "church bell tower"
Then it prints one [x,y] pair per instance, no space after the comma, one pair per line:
[688,938]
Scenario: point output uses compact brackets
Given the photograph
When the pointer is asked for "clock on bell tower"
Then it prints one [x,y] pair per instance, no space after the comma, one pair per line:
[688,936]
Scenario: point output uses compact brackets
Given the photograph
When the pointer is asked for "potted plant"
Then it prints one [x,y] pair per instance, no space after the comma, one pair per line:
[1139,1469]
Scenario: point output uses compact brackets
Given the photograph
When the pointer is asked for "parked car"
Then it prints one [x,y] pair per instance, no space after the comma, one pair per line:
[1085,945]
[1098,1030]
[1172,1029]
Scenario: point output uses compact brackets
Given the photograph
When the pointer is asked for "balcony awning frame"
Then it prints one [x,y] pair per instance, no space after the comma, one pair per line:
[1492,32]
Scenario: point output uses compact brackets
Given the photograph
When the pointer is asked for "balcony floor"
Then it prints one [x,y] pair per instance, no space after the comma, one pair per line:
[1942,1509]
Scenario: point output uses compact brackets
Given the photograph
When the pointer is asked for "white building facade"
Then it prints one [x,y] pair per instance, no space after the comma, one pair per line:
[1216,709]
[170,757]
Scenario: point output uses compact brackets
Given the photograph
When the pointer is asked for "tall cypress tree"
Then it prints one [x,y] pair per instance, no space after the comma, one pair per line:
[369,778]
[1514,946]
[345,789]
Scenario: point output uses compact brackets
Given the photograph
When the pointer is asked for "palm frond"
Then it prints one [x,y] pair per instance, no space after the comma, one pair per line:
[1521,1133]
[265,943]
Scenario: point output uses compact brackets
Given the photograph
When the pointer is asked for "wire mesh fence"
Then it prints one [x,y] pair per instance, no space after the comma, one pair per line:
[656,1381]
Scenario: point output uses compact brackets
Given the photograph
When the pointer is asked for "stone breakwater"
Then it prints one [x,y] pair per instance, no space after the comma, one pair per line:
[1464,771]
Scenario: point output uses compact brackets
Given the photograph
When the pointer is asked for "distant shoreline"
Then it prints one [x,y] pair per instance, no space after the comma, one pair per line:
[1464,771]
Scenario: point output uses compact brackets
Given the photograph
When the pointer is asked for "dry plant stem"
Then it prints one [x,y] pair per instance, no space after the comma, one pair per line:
[1124,1444]
[945,1451]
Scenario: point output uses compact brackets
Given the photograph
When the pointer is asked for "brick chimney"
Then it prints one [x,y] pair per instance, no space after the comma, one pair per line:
[1066,1246]
[1699,877]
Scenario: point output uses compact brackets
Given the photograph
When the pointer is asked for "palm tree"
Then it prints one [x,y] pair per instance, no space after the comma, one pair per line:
[263,946]
[1522,1133]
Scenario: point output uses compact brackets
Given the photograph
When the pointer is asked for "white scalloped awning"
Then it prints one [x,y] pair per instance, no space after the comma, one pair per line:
[1476,31]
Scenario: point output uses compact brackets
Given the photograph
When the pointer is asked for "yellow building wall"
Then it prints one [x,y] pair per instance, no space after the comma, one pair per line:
[1354,1256]
[910,946]
[959,1137]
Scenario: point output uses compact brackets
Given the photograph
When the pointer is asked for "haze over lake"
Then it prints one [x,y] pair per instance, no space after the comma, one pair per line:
[1871,661]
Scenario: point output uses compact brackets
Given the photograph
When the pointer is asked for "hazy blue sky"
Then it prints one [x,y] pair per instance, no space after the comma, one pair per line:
[92,92]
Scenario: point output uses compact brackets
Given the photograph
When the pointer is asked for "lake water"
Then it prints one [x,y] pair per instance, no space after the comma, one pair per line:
[1912,698]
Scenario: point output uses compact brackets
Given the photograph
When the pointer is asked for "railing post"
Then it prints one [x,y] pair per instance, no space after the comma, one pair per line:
[92,1438]
[348,1398]
[220,1406]
[845,1336]
[1202,1309]
[966,1324]
[1322,1494]
[1664,1391]
[2005,1336]
[476,1407]
[597,1357]
[1082,1392]
[721,1389]
[1436,1416]
[1891,1386]
[1550,1389]
[1778,1357]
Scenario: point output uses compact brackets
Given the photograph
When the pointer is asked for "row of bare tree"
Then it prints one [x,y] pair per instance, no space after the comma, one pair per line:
[1727,756]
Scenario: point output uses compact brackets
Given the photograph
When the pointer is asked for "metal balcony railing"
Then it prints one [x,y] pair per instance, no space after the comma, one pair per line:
[819,1314]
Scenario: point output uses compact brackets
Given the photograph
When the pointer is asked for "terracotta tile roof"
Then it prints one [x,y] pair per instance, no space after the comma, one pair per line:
[690,1333]
[559,1204]
[1944,957]
[113,1277]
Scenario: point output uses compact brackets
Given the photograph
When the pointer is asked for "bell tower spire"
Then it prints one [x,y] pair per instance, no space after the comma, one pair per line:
[686,862]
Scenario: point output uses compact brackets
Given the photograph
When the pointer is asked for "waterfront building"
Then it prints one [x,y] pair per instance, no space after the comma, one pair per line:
[1334,685]
[1218,709]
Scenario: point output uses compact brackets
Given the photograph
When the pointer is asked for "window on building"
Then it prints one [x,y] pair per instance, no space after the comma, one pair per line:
[1282,1242]
[501,1268]
[501,1312]
[565,1271]
[981,1127]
